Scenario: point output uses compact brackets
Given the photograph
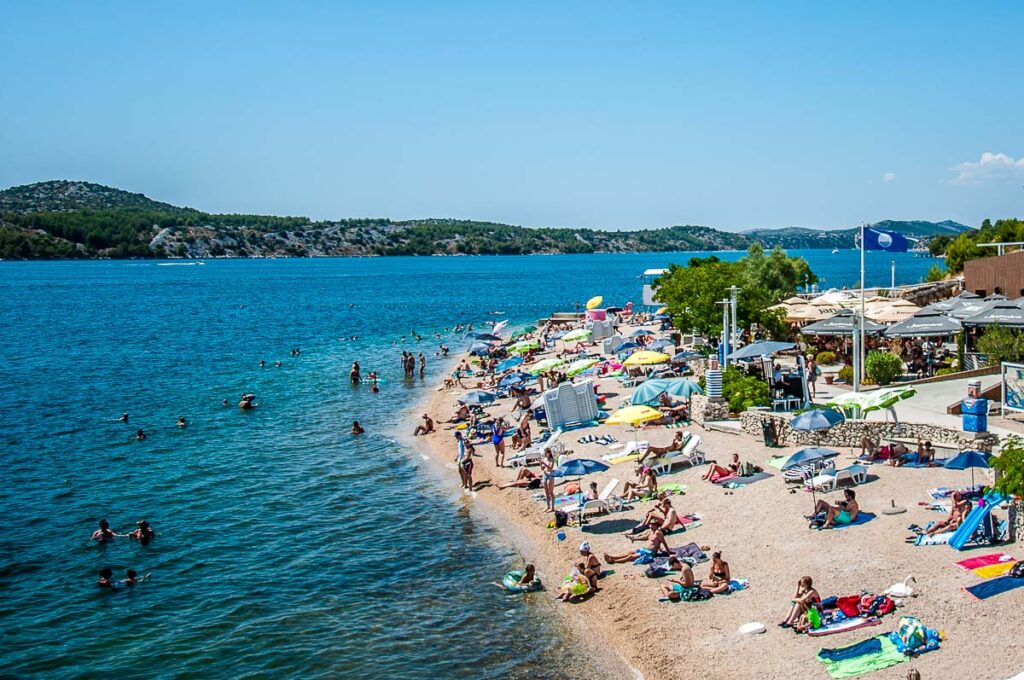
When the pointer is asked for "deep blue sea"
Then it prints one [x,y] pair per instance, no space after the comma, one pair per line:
[286,546]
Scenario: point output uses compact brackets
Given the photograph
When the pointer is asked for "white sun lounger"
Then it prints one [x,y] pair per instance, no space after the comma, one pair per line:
[831,480]
[606,502]
[690,454]
[536,452]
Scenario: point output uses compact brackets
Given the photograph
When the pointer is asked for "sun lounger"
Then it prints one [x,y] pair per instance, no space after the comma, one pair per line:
[690,454]
[802,473]
[536,452]
[606,502]
[830,480]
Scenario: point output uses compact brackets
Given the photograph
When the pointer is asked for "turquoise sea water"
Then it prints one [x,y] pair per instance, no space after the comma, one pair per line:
[286,547]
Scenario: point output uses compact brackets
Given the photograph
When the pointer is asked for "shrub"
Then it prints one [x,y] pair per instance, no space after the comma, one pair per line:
[825,358]
[1010,463]
[845,374]
[883,367]
[743,391]
[945,371]
[1000,344]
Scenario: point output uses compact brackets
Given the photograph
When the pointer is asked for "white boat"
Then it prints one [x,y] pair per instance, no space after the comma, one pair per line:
[835,251]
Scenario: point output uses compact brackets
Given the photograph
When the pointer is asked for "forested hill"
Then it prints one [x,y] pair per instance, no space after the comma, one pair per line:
[69,219]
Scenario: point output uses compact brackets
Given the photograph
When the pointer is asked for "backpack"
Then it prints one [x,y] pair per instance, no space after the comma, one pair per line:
[561,518]
[1017,570]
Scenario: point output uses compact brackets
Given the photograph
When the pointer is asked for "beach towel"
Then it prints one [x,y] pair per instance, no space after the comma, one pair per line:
[852,623]
[994,586]
[862,518]
[886,655]
[993,570]
[776,462]
[737,584]
[690,553]
[937,539]
[739,481]
[983,560]
[869,646]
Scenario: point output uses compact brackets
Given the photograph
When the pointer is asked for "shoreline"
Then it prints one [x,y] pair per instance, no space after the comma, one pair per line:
[762,534]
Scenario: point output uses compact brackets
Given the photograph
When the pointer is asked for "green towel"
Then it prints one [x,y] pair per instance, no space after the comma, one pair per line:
[889,656]
[776,462]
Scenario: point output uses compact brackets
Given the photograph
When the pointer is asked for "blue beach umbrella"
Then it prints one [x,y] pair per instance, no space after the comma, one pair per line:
[487,337]
[626,346]
[807,455]
[660,344]
[577,467]
[649,391]
[969,459]
[683,356]
[761,349]
[662,317]
[640,333]
[479,349]
[508,363]
[477,398]
[515,378]
[816,419]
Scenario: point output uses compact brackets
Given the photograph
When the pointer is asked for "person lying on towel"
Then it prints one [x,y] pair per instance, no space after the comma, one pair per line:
[662,514]
[655,543]
[843,512]
[716,472]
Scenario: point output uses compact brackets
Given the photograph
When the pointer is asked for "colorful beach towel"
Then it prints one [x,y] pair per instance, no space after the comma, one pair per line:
[994,586]
[852,623]
[862,518]
[879,656]
[984,560]
[993,570]
[937,539]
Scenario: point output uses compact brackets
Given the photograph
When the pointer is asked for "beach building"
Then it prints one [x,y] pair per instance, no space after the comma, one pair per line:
[1001,274]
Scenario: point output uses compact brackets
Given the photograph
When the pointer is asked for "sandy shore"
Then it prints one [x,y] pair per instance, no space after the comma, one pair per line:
[762,534]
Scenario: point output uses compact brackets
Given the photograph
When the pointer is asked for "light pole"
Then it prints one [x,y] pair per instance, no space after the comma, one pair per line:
[725,331]
[733,290]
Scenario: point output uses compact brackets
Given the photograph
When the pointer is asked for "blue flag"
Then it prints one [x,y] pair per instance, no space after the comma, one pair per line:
[889,241]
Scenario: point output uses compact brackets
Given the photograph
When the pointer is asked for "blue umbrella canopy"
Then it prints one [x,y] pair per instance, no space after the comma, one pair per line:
[808,454]
[649,391]
[640,332]
[488,337]
[683,356]
[479,348]
[660,344]
[816,419]
[578,467]
[477,397]
[508,363]
[514,379]
[760,349]
[626,346]
[969,459]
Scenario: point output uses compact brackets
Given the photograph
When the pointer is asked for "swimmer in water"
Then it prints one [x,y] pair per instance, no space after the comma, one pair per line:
[106,576]
[263,363]
[246,403]
[277,364]
[144,534]
[353,374]
[140,435]
[357,428]
[104,534]
[374,388]
[225,402]
[181,421]
[133,578]
[123,418]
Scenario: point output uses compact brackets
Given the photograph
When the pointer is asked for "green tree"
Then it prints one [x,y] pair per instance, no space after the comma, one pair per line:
[936,273]
[937,246]
[1000,344]
[1010,464]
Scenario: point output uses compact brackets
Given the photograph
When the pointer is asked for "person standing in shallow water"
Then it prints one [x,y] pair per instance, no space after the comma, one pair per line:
[423,365]
[353,375]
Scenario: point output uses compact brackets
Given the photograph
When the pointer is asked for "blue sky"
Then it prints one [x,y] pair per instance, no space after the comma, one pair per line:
[625,114]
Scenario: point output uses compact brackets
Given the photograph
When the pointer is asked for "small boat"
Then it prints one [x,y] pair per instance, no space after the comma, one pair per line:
[835,251]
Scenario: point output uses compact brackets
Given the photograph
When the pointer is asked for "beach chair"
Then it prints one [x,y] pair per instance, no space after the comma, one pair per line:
[830,480]
[606,502]
[802,473]
[536,451]
[690,453]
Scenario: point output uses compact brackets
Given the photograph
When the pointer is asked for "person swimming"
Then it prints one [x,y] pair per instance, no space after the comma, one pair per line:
[225,402]
[181,421]
[132,577]
[104,534]
[140,435]
[263,364]
[123,418]
[353,374]
[106,578]
[246,403]
[357,428]
[144,533]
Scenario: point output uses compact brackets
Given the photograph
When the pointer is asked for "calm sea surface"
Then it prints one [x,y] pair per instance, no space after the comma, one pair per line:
[286,547]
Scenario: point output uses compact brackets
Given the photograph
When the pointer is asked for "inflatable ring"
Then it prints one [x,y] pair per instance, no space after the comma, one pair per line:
[511,582]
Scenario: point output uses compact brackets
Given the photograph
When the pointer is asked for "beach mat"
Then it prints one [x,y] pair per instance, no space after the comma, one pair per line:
[993,570]
[732,481]
[984,560]
[852,623]
[993,587]
[776,462]
[937,539]
[886,655]
[862,518]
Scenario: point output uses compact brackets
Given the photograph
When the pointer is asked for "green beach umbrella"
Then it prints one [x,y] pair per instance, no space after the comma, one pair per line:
[545,365]
[876,400]
[578,334]
[580,365]
[524,346]
[523,331]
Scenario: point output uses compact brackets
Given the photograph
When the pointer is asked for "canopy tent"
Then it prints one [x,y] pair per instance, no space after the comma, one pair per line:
[841,324]
[924,324]
[1002,313]
[971,308]
[761,348]
[884,310]
[649,391]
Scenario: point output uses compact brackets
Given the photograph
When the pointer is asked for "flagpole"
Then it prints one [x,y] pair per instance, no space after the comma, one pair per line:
[859,367]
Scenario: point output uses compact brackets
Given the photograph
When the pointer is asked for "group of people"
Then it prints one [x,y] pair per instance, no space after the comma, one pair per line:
[143,533]
[897,453]
[409,364]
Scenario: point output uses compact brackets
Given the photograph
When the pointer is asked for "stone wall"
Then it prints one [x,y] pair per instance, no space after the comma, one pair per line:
[850,432]
[703,409]
[699,366]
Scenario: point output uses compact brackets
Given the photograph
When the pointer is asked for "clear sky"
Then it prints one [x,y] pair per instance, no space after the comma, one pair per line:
[618,114]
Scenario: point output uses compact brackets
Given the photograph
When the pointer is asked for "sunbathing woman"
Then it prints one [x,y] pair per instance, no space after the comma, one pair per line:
[716,472]
[682,588]
[547,469]
[662,514]
[676,445]
[805,596]
[957,514]
[524,480]
[655,543]
[646,486]
[843,512]
[718,579]
[591,566]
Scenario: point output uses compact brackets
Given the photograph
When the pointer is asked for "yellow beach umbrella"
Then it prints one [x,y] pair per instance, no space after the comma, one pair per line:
[661,310]
[645,358]
[633,415]
[594,302]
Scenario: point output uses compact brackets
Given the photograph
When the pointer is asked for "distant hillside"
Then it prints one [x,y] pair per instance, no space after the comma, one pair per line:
[67,219]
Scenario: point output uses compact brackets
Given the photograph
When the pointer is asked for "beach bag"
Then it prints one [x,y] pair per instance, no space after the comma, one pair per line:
[911,635]
[748,469]
[695,594]
[1017,570]
[561,518]
[850,605]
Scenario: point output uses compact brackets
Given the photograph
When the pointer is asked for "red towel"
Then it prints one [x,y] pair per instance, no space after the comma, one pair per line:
[983,561]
